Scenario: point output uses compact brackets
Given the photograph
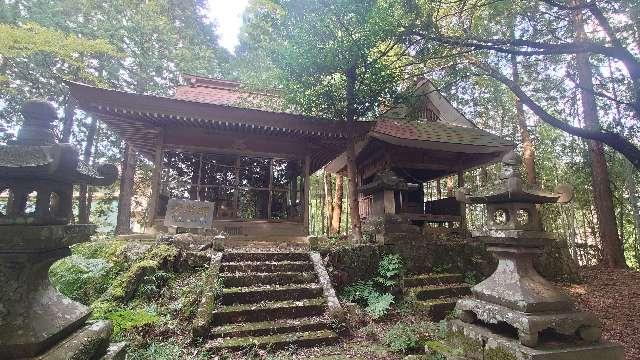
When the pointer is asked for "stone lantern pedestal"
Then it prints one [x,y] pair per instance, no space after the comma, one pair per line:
[516,309]
[36,321]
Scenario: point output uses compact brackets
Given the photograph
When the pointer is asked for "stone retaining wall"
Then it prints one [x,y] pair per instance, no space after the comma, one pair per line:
[347,264]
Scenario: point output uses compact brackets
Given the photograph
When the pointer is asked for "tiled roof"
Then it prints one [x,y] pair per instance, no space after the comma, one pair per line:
[437,132]
[225,92]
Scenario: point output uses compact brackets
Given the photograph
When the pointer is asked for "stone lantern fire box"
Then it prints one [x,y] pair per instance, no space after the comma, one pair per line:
[36,321]
[516,309]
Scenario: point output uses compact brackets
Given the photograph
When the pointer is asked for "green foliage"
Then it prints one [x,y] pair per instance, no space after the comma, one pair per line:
[390,270]
[30,39]
[81,279]
[316,79]
[378,304]
[402,338]
[470,278]
[374,294]
[152,284]
[440,268]
[125,319]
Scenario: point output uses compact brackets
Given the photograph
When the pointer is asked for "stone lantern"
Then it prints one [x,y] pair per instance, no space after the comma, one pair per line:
[515,294]
[38,175]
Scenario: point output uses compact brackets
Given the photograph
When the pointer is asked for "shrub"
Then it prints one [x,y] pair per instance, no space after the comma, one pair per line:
[81,279]
[390,270]
[374,295]
[363,293]
[402,338]
[152,283]
[378,304]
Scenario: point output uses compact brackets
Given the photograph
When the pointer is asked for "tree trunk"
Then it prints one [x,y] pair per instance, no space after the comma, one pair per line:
[352,170]
[612,250]
[336,216]
[528,151]
[354,211]
[327,201]
[123,225]
[84,206]
[629,180]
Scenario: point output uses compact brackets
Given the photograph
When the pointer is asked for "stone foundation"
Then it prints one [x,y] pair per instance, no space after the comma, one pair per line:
[476,342]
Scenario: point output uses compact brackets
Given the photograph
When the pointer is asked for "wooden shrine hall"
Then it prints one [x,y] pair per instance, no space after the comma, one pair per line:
[218,142]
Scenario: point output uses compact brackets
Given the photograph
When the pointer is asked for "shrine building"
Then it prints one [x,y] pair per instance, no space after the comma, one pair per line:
[219,142]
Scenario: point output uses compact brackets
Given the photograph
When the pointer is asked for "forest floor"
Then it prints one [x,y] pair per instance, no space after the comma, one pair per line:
[613,296]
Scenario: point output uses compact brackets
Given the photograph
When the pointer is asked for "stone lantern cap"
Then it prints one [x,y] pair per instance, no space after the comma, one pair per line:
[513,191]
[36,156]
[512,211]
[35,163]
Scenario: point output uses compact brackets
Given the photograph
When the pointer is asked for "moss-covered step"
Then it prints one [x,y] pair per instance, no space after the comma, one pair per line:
[265,311]
[275,342]
[438,309]
[440,291]
[231,280]
[267,266]
[264,256]
[266,328]
[256,294]
[433,279]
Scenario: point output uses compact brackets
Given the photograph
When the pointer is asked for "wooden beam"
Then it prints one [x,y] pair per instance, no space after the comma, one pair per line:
[156,179]
[307,177]
[463,207]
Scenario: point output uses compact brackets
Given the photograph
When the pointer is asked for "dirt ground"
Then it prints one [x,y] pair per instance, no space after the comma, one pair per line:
[614,296]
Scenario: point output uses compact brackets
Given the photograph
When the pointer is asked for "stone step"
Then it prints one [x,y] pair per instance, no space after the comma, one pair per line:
[432,279]
[231,280]
[242,256]
[116,351]
[250,295]
[440,291]
[267,311]
[438,309]
[278,341]
[270,328]
[266,267]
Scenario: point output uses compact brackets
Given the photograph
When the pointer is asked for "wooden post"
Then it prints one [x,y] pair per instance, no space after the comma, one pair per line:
[156,180]
[307,167]
[463,208]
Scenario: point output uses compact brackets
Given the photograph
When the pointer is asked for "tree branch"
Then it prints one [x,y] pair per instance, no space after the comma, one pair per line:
[615,141]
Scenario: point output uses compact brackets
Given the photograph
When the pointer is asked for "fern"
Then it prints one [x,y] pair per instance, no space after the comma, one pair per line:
[390,270]
[378,304]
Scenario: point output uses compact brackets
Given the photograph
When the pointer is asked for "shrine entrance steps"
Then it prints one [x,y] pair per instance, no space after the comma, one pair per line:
[437,293]
[269,300]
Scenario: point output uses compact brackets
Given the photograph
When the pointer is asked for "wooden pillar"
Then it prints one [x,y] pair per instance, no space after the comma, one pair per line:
[463,208]
[307,185]
[156,179]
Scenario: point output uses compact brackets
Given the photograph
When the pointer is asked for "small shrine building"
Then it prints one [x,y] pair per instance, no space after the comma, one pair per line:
[216,141]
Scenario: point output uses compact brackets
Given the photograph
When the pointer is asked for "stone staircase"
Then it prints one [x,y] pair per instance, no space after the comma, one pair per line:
[437,293]
[269,300]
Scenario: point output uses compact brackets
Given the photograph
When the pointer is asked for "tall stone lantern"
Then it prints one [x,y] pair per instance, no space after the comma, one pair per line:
[516,295]
[38,175]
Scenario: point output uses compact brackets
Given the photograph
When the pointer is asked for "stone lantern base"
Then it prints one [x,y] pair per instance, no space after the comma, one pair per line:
[478,342]
[35,318]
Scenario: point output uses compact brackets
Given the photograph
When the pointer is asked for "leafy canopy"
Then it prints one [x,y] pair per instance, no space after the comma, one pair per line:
[312,45]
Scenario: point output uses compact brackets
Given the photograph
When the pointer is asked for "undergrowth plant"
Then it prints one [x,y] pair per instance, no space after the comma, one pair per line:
[402,338]
[375,294]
